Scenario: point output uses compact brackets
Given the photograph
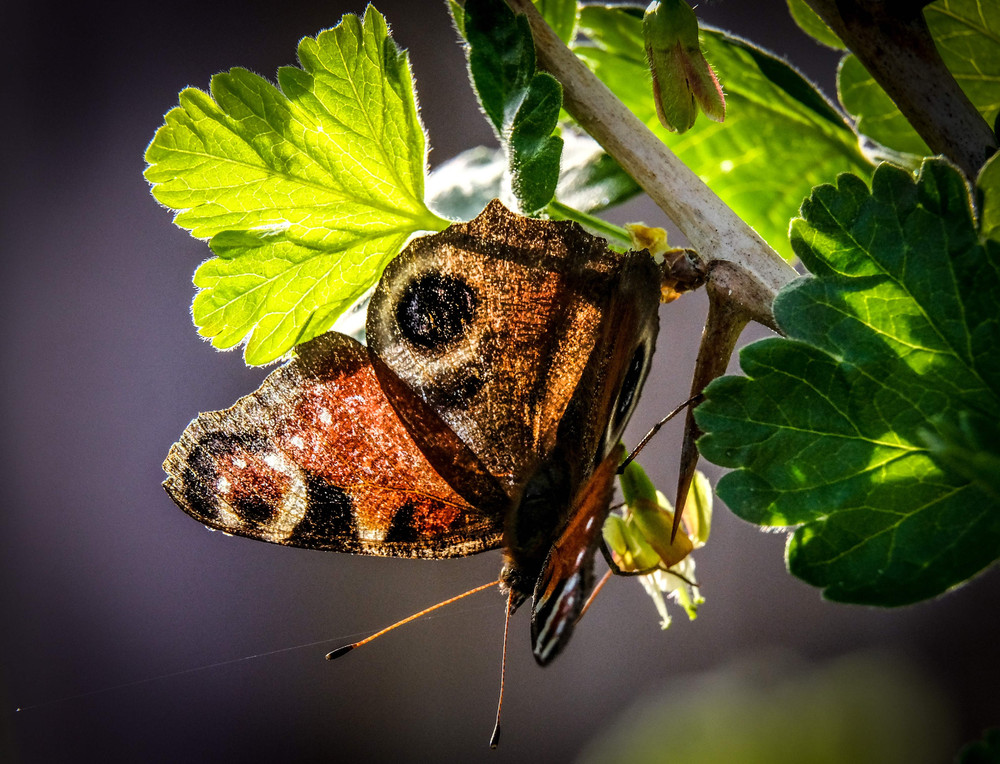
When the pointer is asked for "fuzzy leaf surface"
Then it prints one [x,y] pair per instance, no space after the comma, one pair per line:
[522,103]
[780,138]
[305,190]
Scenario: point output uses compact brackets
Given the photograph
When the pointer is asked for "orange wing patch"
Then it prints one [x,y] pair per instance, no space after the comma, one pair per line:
[318,458]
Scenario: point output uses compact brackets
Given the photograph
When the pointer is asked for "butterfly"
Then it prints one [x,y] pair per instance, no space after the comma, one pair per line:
[504,357]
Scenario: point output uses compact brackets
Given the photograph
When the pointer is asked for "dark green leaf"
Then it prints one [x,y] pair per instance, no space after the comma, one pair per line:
[780,137]
[985,751]
[895,333]
[522,103]
[589,181]
[969,446]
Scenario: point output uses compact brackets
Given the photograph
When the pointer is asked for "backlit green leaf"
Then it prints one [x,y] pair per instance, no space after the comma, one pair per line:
[967,34]
[810,23]
[891,345]
[306,190]
[877,115]
[780,137]
[561,15]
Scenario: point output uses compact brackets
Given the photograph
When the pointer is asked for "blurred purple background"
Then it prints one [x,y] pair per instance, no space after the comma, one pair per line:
[106,584]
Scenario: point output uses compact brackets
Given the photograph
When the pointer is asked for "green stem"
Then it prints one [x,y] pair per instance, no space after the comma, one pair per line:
[610,231]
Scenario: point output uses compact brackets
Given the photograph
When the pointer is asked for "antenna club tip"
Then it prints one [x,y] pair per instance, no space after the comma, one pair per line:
[495,738]
[339,651]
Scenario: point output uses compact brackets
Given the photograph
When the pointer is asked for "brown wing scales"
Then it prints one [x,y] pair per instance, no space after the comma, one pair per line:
[492,323]
[318,458]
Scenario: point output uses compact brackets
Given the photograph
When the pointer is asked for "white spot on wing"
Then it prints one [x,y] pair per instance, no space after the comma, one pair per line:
[366,532]
[293,506]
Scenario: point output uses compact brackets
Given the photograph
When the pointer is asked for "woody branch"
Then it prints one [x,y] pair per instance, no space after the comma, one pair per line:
[710,225]
[892,41]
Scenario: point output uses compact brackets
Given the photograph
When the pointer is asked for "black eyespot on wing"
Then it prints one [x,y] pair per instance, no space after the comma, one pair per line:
[435,309]
[202,471]
[630,387]
[402,530]
[330,514]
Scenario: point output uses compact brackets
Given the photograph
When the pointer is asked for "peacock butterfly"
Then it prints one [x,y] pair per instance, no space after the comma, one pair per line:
[504,358]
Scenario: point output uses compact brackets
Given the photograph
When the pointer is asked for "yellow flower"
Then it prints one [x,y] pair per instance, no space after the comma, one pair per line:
[639,540]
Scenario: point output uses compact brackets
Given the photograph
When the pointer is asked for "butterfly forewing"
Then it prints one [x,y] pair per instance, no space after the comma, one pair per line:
[318,458]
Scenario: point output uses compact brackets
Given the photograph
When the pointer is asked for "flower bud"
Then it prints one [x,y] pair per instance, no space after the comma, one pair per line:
[683,81]
[639,540]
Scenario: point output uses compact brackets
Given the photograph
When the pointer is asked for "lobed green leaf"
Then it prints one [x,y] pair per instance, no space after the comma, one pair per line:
[780,138]
[893,336]
[306,190]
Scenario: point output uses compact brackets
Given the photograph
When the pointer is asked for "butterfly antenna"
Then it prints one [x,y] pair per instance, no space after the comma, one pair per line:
[694,400]
[347,648]
[495,737]
[593,595]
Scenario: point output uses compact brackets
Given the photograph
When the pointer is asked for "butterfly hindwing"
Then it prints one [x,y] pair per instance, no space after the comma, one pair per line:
[566,577]
[317,457]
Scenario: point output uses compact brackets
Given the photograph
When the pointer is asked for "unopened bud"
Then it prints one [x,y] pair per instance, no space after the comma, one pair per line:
[683,81]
